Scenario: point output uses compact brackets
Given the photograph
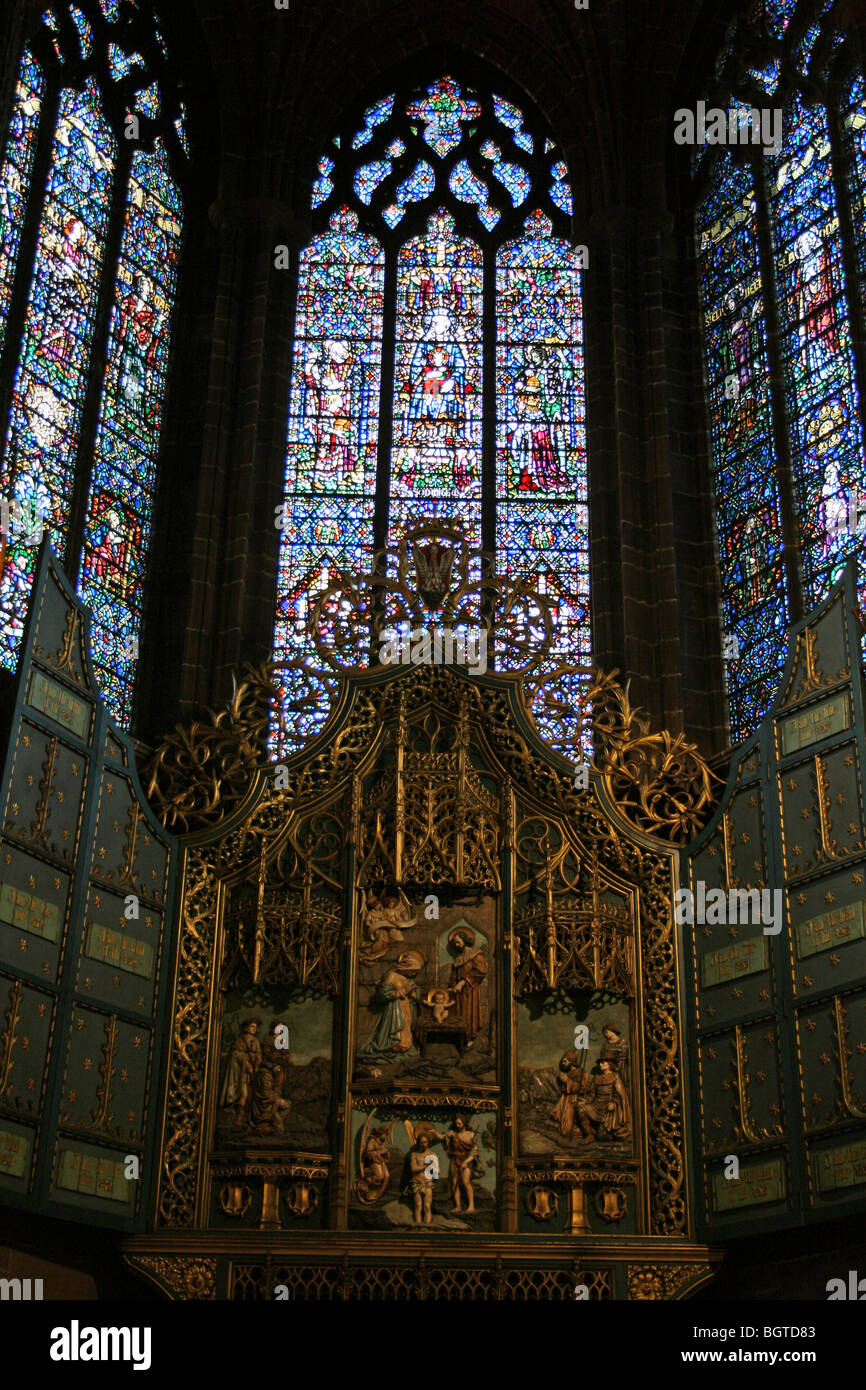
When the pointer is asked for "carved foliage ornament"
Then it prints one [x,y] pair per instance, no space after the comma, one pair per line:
[434,581]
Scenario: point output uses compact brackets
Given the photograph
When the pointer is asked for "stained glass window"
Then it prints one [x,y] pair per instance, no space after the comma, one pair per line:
[82,443]
[326,520]
[120,499]
[15,175]
[821,402]
[541,478]
[776,235]
[436,455]
[54,357]
[854,138]
[472,234]
[748,509]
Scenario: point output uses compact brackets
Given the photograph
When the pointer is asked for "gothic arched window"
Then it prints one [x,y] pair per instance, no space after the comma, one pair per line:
[90,226]
[438,362]
[782,254]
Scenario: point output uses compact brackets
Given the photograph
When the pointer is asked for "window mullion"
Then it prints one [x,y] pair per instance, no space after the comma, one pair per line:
[488,424]
[86,451]
[386,401]
[778,414]
[488,406]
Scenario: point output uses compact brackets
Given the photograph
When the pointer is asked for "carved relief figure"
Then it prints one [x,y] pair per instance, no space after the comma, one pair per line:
[605,1113]
[423,1172]
[424,1010]
[461,1144]
[383,922]
[398,996]
[374,1164]
[440,1002]
[398,1180]
[574,1083]
[585,1097]
[268,1110]
[272,1055]
[267,1093]
[468,973]
[614,1049]
[244,1058]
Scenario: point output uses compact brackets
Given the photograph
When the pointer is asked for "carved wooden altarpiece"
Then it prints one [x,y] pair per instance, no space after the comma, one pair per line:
[428,1018]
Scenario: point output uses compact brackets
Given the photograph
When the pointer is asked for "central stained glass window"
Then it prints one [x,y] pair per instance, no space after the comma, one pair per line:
[438,366]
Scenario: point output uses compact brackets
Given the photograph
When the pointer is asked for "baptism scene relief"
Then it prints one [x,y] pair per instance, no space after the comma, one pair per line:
[575,1070]
[275,1069]
[429,1169]
[425,991]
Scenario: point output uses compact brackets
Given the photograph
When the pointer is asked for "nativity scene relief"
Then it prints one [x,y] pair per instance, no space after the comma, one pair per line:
[424,993]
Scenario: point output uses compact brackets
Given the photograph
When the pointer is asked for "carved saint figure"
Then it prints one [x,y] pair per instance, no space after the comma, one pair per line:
[574,1082]
[268,1110]
[614,1049]
[461,1144]
[468,973]
[423,1172]
[243,1062]
[398,995]
[605,1112]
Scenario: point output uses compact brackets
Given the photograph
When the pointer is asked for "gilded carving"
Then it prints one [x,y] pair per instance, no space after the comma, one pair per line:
[659,1281]
[542,1203]
[420,866]
[187,1068]
[201,772]
[611,1203]
[235,1198]
[181,1276]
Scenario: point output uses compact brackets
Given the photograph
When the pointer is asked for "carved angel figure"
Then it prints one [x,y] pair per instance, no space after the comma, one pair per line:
[374,1163]
[383,922]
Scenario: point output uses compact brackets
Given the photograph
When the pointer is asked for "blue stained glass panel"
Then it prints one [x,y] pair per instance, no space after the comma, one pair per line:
[748,507]
[512,117]
[821,396]
[85,33]
[418,186]
[560,189]
[120,499]
[334,398]
[854,134]
[48,393]
[373,116]
[542,525]
[15,175]
[444,111]
[369,176]
[322,537]
[436,447]
[515,180]
[327,512]
[121,64]
[323,187]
